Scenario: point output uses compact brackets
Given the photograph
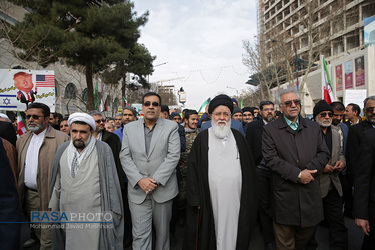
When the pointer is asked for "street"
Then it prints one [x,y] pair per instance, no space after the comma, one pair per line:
[355,237]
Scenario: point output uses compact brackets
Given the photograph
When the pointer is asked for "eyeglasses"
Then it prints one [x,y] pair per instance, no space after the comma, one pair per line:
[370,109]
[147,104]
[100,121]
[324,114]
[219,114]
[289,103]
[339,115]
[35,117]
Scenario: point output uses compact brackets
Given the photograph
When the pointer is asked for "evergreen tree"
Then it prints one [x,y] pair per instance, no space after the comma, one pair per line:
[98,35]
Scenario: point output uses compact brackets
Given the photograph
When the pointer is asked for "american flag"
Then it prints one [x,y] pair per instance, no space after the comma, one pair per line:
[45,81]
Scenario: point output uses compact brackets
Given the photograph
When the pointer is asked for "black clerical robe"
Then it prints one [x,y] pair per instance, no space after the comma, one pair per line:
[199,227]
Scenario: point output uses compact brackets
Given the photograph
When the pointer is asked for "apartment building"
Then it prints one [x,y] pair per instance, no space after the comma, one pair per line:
[333,28]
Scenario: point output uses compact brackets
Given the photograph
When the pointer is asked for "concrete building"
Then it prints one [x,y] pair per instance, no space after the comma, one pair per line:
[337,32]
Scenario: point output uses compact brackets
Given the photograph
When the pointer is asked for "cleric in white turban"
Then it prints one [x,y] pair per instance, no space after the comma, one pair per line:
[82,117]
[84,180]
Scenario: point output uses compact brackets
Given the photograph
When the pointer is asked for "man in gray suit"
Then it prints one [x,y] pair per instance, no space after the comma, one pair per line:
[149,156]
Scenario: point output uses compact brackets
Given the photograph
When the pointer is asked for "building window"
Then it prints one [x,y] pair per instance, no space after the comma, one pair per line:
[84,95]
[70,91]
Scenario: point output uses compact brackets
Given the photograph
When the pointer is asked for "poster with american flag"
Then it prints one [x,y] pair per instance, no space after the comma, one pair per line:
[19,88]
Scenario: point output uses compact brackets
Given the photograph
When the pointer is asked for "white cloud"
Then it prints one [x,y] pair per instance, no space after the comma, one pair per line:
[201,41]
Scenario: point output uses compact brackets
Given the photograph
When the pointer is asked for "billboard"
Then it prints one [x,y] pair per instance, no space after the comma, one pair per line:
[19,88]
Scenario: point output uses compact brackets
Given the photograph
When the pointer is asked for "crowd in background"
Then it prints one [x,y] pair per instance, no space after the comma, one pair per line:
[305,172]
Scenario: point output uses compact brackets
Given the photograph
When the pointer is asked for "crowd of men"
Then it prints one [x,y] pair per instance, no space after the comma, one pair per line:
[218,175]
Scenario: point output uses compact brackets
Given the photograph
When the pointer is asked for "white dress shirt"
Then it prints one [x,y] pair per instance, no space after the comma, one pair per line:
[31,160]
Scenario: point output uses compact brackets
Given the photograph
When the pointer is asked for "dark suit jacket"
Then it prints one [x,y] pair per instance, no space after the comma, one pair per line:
[364,181]
[355,138]
[254,139]
[114,143]
[345,131]
[7,132]
[23,97]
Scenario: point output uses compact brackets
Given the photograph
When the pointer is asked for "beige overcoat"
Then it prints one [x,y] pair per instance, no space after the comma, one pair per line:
[326,178]
[52,140]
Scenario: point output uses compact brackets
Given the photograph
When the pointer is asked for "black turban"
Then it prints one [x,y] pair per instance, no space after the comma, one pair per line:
[220,100]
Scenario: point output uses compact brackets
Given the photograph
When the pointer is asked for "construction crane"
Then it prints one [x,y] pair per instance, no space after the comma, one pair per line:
[168,80]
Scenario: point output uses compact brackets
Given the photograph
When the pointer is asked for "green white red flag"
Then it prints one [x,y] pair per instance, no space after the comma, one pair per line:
[206,102]
[21,127]
[327,90]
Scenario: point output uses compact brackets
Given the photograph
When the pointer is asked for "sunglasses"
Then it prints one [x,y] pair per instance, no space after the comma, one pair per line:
[100,120]
[370,109]
[35,117]
[289,103]
[147,104]
[324,114]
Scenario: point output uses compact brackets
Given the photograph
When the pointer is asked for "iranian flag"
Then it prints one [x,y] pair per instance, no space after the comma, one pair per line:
[21,127]
[327,92]
[206,102]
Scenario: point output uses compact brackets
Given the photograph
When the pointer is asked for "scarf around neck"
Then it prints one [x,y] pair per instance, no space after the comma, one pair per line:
[74,161]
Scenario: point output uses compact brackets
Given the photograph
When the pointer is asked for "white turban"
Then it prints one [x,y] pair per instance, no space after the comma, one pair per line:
[82,117]
[4,116]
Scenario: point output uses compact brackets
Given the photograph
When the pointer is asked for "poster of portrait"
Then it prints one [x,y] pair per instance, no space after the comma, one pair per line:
[348,66]
[19,88]
[338,77]
[359,71]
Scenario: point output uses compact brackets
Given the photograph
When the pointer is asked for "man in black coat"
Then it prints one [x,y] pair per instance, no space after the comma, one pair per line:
[10,210]
[254,139]
[221,177]
[355,137]
[294,149]
[364,188]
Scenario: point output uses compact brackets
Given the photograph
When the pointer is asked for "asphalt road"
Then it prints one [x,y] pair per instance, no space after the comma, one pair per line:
[355,237]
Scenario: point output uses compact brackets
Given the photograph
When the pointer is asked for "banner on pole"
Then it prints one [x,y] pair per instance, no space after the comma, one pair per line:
[19,88]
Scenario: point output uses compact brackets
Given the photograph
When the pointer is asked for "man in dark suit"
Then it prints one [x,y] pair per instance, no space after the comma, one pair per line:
[355,138]
[7,132]
[254,139]
[364,188]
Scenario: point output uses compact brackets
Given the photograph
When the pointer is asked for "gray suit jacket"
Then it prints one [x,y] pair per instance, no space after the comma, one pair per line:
[326,178]
[160,164]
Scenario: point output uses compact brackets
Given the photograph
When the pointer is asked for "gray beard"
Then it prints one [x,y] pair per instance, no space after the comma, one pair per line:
[220,131]
[38,128]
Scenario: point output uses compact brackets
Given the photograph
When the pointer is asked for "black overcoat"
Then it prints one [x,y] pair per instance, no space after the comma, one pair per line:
[287,153]
[199,227]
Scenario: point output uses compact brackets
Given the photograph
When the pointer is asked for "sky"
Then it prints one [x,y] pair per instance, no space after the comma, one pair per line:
[201,43]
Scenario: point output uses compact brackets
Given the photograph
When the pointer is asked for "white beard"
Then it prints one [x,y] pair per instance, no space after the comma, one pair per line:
[324,125]
[220,131]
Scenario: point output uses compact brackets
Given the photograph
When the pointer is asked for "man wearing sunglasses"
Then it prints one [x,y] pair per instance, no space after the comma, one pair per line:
[330,185]
[149,156]
[294,149]
[36,153]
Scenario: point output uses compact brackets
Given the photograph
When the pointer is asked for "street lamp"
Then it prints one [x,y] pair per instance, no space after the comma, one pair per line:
[160,64]
[234,89]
